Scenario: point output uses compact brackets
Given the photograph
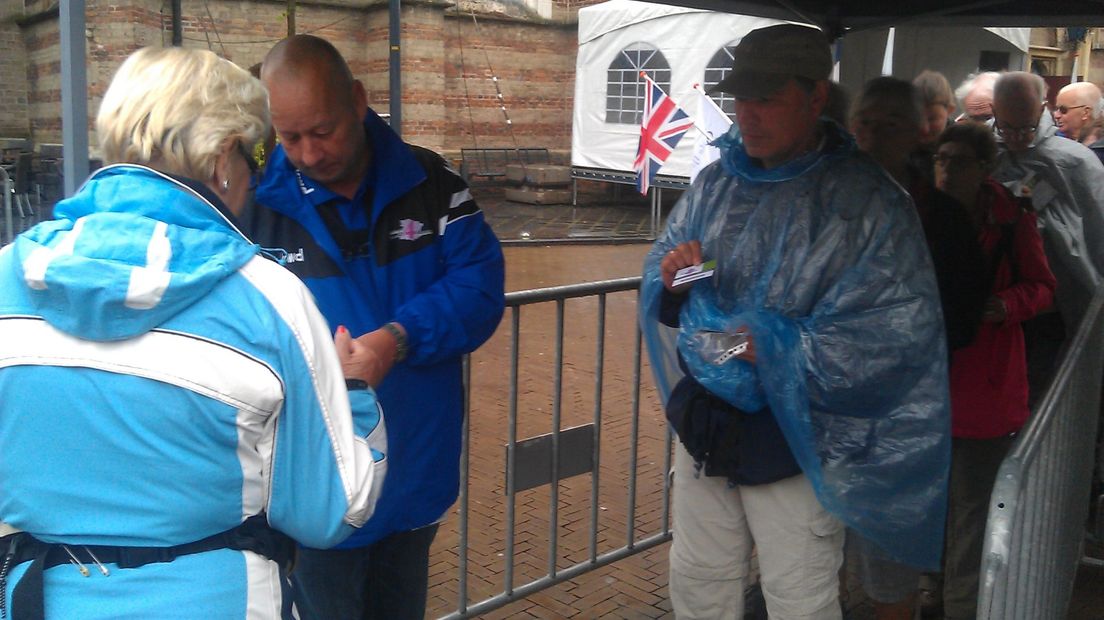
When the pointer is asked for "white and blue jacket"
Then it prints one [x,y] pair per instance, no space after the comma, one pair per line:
[412,247]
[161,381]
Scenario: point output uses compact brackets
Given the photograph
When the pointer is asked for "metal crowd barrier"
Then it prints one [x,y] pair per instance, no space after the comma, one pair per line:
[543,462]
[1039,505]
[622,177]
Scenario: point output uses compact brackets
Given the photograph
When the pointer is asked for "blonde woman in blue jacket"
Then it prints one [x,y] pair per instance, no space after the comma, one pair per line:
[173,403]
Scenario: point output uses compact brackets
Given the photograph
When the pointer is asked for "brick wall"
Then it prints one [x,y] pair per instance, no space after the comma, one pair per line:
[535,67]
[532,57]
[13,74]
[13,83]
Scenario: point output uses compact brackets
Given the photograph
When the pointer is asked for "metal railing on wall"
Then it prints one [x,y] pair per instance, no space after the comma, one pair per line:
[542,463]
[1039,505]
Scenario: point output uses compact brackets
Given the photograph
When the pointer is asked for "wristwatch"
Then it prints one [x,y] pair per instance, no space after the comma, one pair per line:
[356,384]
[400,340]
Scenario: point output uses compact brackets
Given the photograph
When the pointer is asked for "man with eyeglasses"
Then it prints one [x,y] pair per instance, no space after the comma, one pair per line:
[1065,184]
[1079,114]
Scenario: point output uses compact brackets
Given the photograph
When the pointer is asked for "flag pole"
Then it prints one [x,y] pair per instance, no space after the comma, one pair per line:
[700,130]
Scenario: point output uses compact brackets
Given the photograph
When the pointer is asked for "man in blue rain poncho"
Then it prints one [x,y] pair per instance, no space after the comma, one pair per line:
[807,376]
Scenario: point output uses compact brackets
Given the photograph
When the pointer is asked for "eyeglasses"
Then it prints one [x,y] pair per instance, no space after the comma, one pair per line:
[943,159]
[254,169]
[1015,132]
[1064,109]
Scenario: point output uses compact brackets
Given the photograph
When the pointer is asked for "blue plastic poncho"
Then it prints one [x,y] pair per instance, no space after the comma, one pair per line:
[824,260]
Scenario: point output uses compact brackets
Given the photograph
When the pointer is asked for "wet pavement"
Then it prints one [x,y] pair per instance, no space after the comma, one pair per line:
[604,213]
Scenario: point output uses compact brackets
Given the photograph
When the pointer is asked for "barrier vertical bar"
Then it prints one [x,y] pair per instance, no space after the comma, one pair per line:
[634,439]
[596,451]
[557,403]
[465,476]
[511,454]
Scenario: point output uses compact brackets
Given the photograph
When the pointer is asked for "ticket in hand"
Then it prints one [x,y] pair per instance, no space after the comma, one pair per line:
[694,272]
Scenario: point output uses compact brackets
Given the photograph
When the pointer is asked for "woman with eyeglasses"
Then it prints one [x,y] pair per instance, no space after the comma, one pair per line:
[989,390]
[174,408]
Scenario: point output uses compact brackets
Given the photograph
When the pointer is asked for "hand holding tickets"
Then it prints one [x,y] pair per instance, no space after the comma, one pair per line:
[682,265]
[689,274]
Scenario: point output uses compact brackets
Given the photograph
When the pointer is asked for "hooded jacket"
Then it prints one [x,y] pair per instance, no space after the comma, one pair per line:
[162,382]
[412,247]
[825,261]
[1066,183]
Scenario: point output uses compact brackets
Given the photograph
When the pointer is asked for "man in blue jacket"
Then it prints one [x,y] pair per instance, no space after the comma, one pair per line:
[388,239]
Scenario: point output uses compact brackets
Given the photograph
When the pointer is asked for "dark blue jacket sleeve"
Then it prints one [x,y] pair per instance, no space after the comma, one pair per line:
[460,311]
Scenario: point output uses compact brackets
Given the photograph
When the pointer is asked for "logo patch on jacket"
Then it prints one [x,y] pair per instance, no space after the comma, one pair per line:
[410,230]
[302,184]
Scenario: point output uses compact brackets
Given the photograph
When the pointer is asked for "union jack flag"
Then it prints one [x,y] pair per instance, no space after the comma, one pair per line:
[662,127]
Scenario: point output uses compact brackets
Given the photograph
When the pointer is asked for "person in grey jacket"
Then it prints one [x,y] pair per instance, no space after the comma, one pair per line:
[1065,183]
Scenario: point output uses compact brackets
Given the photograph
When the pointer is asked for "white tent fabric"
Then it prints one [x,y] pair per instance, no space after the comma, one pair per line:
[688,38]
[600,19]
[1020,37]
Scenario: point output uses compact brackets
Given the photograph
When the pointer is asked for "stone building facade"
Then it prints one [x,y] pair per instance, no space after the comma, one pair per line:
[451,54]
[1061,52]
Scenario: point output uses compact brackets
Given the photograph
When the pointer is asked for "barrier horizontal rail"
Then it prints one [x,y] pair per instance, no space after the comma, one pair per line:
[572,291]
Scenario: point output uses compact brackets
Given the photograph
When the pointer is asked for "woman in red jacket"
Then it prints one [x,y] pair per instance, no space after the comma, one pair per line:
[988,376]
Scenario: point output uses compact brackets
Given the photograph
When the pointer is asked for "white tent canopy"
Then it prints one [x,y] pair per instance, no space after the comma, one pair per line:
[688,39]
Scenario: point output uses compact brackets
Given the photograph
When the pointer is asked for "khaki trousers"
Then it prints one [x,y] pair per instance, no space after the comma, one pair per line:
[800,547]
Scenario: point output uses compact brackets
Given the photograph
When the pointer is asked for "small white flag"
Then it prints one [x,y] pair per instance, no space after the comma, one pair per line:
[712,123]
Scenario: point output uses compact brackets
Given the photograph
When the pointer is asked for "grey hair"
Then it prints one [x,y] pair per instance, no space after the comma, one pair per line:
[971,81]
[1009,84]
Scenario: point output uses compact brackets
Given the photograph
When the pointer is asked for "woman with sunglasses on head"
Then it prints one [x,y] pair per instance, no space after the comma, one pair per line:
[173,405]
[989,390]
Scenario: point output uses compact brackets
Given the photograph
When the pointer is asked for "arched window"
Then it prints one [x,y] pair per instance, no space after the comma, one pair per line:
[719,66]
[625,87]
